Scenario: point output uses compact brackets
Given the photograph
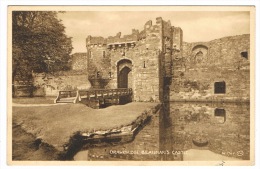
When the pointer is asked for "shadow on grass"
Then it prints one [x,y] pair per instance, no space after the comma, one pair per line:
[26,146]
[33,100]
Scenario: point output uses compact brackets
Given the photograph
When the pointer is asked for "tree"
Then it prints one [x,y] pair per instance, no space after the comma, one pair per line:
[39,44]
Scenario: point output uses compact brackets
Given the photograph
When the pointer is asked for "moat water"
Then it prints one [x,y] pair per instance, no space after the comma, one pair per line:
[185,132]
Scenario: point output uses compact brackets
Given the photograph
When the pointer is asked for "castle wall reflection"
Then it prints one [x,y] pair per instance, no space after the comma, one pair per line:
[186,131]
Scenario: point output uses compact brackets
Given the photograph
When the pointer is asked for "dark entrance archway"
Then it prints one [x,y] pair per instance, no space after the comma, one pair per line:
[124,78]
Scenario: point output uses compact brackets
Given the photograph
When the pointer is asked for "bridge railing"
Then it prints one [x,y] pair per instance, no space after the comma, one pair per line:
[96,93]
[67,94]
[92,94]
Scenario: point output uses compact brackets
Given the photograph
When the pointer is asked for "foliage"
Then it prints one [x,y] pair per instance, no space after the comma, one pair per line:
[39,43]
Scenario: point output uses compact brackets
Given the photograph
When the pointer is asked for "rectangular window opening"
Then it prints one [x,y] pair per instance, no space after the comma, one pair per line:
[220,88]
[220,112]
[244,54]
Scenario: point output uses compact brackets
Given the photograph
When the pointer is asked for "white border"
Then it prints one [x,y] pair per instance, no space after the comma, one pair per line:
[3,58]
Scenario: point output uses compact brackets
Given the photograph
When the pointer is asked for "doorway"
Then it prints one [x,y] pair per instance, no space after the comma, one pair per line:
[124,68]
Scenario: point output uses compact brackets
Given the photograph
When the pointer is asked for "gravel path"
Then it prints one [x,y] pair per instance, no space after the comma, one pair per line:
[36,105]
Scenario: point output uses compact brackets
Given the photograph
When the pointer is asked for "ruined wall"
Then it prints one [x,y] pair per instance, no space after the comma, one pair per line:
[22,88]
[50,85]
[43,84]
[177,36]
[203,64]
[79,61]
[157,58]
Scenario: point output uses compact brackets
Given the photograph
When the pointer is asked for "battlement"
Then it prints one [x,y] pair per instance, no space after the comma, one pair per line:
[160,29]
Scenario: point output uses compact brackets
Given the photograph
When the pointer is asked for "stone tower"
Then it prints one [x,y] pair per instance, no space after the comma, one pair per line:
[141,61]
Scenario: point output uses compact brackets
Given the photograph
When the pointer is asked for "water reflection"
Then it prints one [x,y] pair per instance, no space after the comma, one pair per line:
[186,131]
[225,127]
[220,115]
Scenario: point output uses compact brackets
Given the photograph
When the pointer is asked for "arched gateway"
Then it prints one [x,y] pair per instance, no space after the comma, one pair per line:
[124,73]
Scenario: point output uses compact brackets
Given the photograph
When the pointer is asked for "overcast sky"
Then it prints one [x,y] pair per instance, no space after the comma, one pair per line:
[196,26]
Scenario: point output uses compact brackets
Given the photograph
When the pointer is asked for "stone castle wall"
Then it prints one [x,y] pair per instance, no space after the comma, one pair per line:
[143,52]
[98,61]
[158,51]
[50,85]
[203,64]
[155,58]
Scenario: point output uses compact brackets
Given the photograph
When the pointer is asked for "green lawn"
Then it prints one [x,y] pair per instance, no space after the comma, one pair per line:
[55,124]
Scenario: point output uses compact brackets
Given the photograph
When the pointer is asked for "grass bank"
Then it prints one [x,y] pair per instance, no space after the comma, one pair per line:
[56,124]
[25,147]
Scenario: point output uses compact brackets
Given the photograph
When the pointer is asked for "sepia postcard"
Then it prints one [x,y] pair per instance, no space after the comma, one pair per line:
[131,85]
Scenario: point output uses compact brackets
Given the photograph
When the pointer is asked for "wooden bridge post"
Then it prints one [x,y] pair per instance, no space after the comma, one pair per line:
[117,99]
[96,95]
[102,94]
[88,96]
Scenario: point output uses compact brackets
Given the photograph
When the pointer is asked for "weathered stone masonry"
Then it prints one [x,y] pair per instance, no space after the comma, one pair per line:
[206,64]
[156,58]
[50,85]
[139,61]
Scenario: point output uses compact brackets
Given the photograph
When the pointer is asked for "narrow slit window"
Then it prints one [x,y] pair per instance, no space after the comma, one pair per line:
[104,54]
[220,88]
[98,74]
[90,54]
